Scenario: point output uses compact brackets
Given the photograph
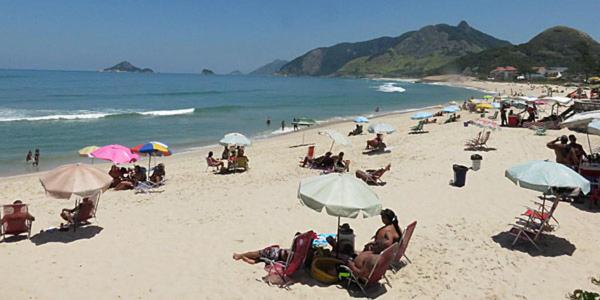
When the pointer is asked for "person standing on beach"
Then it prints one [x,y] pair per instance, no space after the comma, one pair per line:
[282,125]
[295,122]
[503,119]
[36,158]
[29,157]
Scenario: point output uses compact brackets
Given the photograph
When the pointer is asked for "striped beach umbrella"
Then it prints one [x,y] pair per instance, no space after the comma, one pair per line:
[87,150]
[152,149]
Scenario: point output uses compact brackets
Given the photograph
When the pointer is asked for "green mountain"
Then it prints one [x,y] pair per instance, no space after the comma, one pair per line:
[557,46]
[270,68]
[126,66]
[414,53]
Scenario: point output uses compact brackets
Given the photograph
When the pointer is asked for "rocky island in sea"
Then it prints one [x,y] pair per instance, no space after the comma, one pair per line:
[207,72]
[126,66]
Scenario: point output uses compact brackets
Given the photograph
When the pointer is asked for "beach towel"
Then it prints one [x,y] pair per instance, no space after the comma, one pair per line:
[321,240]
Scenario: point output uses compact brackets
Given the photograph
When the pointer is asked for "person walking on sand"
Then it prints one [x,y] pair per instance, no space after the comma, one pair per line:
[36,158]
[282,125]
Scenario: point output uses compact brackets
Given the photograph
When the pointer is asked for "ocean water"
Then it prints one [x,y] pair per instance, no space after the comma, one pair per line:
[60,112]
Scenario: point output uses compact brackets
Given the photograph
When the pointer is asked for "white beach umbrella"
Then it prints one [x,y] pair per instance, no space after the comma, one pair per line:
[543,175]
[336,137]
[235,139]
[340,194]
[558,99]
[381,128]
[581,120]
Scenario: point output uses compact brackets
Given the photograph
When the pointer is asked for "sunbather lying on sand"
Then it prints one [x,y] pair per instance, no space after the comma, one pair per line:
[322,162]
[373,176]
[273,253]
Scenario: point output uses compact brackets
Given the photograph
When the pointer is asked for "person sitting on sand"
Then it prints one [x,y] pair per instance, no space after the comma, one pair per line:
[564,155]
[271,253]
[72,215]
[28,216]
[213,162]
[363,264]
[376,143]
[340,165]
[387,235]
[158,174]
[138,174]
[357,131]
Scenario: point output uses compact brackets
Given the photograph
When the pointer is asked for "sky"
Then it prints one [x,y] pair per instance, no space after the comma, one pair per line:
[188,36]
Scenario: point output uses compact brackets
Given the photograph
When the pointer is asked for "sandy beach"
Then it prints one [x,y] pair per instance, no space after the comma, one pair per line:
[178,243]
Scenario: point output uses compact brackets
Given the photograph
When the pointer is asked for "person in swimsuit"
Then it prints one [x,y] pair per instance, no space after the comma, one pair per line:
[272,253]
[363,264]
[72,215]
[29,157]
[387,235]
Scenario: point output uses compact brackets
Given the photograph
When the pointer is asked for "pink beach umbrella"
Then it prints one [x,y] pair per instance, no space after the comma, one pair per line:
[118,154]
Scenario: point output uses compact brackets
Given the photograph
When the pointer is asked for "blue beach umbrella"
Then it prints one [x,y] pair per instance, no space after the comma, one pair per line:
[451,109]
[361,119]
[543,175]
[421,115]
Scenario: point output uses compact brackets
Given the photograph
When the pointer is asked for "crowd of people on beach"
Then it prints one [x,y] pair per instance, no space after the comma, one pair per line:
[129,178]
[234,156]
[568,152]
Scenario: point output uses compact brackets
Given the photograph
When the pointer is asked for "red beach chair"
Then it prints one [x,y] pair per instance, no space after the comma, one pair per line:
[381,266]
[403,244]
[86,212]
[14,220]
[300,247]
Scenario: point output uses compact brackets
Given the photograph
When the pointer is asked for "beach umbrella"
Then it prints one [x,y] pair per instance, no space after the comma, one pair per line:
[75,179]
[484,105]
[450,109]
[527,98]
[235,139]
[594,127]
[543,175]
[86,151]
[421,115]
[152,149]
[580,120]
[340,194]
[361,119]
[558,99]
[118,154]
[381,128]
[336,137]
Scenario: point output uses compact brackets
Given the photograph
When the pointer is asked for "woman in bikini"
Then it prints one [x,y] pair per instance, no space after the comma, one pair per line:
[387,235]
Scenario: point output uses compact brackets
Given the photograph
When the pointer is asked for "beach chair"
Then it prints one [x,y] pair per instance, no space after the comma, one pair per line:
[241,163]
[300,246]
[14,220]
[531,228]
[542,212]
[381,266]
[402,245]
[211,164]
[372,177]
[418,128]
[481,143]
[494,117]
[87,212]
[472,142]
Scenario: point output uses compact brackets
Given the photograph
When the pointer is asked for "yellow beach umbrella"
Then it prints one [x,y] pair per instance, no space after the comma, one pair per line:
[85,151]
[484,105]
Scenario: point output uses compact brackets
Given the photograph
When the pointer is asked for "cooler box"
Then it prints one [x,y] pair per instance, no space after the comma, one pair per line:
[513,121]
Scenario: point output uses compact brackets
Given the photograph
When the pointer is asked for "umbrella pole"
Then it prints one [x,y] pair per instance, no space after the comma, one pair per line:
[149,159]
[331,148]
[589,143]
[337,239]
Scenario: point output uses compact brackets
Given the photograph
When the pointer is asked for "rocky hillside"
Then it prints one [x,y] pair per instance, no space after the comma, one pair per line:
[414,53]
[557,46]
[270,68]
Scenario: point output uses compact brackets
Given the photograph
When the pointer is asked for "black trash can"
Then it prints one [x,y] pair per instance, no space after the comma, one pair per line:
[460,175]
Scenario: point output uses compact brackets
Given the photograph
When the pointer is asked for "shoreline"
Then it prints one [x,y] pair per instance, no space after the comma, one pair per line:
[264,137]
